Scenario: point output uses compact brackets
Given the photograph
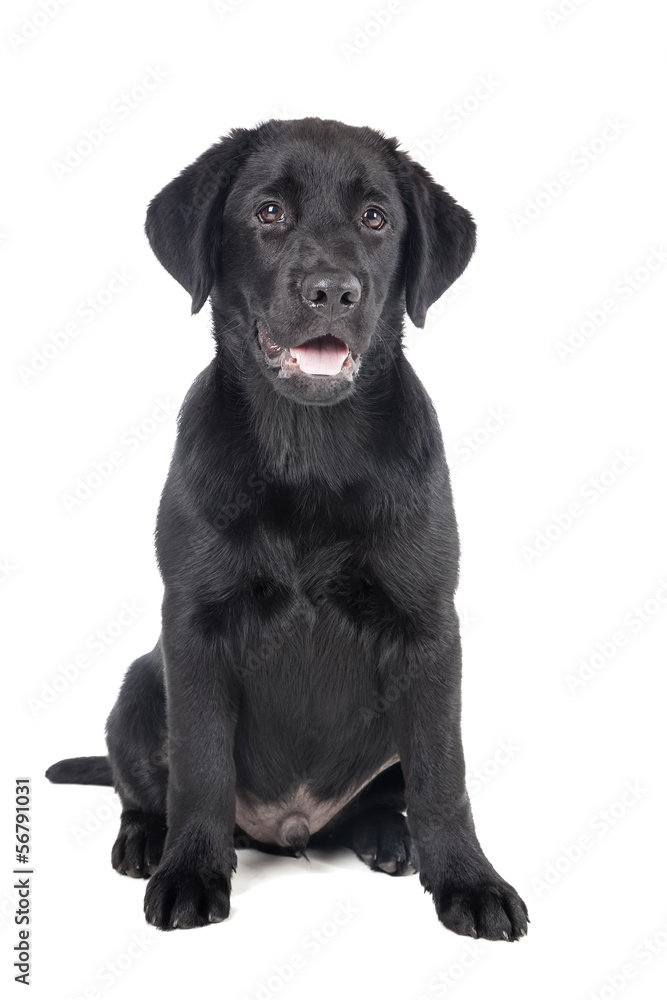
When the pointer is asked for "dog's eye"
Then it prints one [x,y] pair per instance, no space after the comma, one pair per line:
[271,213]
[373,218]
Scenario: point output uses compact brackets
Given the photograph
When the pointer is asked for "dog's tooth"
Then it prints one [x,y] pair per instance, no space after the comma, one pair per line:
[287,362]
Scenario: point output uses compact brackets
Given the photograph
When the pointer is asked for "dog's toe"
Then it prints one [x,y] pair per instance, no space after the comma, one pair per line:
[181,899]
[491,910]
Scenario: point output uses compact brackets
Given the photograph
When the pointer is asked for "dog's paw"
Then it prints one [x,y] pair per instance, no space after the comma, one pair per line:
[383,842]
[139,844]
[489,909]
[182,898]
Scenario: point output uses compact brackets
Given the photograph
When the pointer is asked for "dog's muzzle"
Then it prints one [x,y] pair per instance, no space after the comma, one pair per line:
[321,357]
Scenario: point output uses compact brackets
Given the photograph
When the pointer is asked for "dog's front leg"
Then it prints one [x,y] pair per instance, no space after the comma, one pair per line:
[192,884]
[470,896]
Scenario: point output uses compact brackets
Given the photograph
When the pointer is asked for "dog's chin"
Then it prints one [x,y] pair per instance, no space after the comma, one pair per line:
[319,372]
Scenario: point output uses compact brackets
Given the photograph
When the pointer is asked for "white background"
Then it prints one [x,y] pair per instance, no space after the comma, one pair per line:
[551,85]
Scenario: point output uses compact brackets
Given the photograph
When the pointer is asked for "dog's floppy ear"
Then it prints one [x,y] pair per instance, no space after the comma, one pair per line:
[440,239]
[184,221]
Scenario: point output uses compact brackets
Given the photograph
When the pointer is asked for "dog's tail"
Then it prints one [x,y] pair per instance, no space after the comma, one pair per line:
[294,832]
[81,771]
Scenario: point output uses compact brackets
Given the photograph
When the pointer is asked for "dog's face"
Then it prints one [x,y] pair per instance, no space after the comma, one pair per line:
[312,236]
[304,233]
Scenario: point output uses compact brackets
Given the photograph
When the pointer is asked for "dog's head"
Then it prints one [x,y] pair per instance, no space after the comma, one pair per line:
[309,235]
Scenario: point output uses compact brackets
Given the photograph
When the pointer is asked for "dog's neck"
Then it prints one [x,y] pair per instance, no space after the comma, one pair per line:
[299,443]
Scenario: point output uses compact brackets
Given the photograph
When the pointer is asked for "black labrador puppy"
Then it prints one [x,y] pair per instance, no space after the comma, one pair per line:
[306,685]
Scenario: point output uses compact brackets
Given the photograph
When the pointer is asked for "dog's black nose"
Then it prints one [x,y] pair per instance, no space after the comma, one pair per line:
[333,291]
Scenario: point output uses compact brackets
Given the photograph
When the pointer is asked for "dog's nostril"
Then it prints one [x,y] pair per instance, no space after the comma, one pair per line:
[351,290]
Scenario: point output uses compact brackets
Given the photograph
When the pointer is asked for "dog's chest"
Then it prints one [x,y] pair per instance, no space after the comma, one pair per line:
[300,574]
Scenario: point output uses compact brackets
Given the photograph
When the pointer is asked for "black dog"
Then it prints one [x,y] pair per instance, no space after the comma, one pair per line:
[306,685]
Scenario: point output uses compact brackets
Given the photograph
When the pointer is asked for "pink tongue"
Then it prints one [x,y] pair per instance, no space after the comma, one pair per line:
[323,356]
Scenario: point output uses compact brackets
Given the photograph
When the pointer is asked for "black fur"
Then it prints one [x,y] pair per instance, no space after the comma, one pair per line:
[307,541]
[81,771]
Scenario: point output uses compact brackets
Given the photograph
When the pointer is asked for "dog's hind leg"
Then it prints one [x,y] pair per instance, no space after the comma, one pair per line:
[373,825]
[136,738]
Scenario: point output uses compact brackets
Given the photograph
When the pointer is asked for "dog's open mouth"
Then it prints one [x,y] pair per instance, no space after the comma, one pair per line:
[326,357]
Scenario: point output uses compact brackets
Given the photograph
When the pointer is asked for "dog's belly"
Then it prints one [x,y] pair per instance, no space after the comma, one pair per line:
[271,822]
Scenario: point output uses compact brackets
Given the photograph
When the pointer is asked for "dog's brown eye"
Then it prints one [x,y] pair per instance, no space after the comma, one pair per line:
[373,218]
[271,213]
